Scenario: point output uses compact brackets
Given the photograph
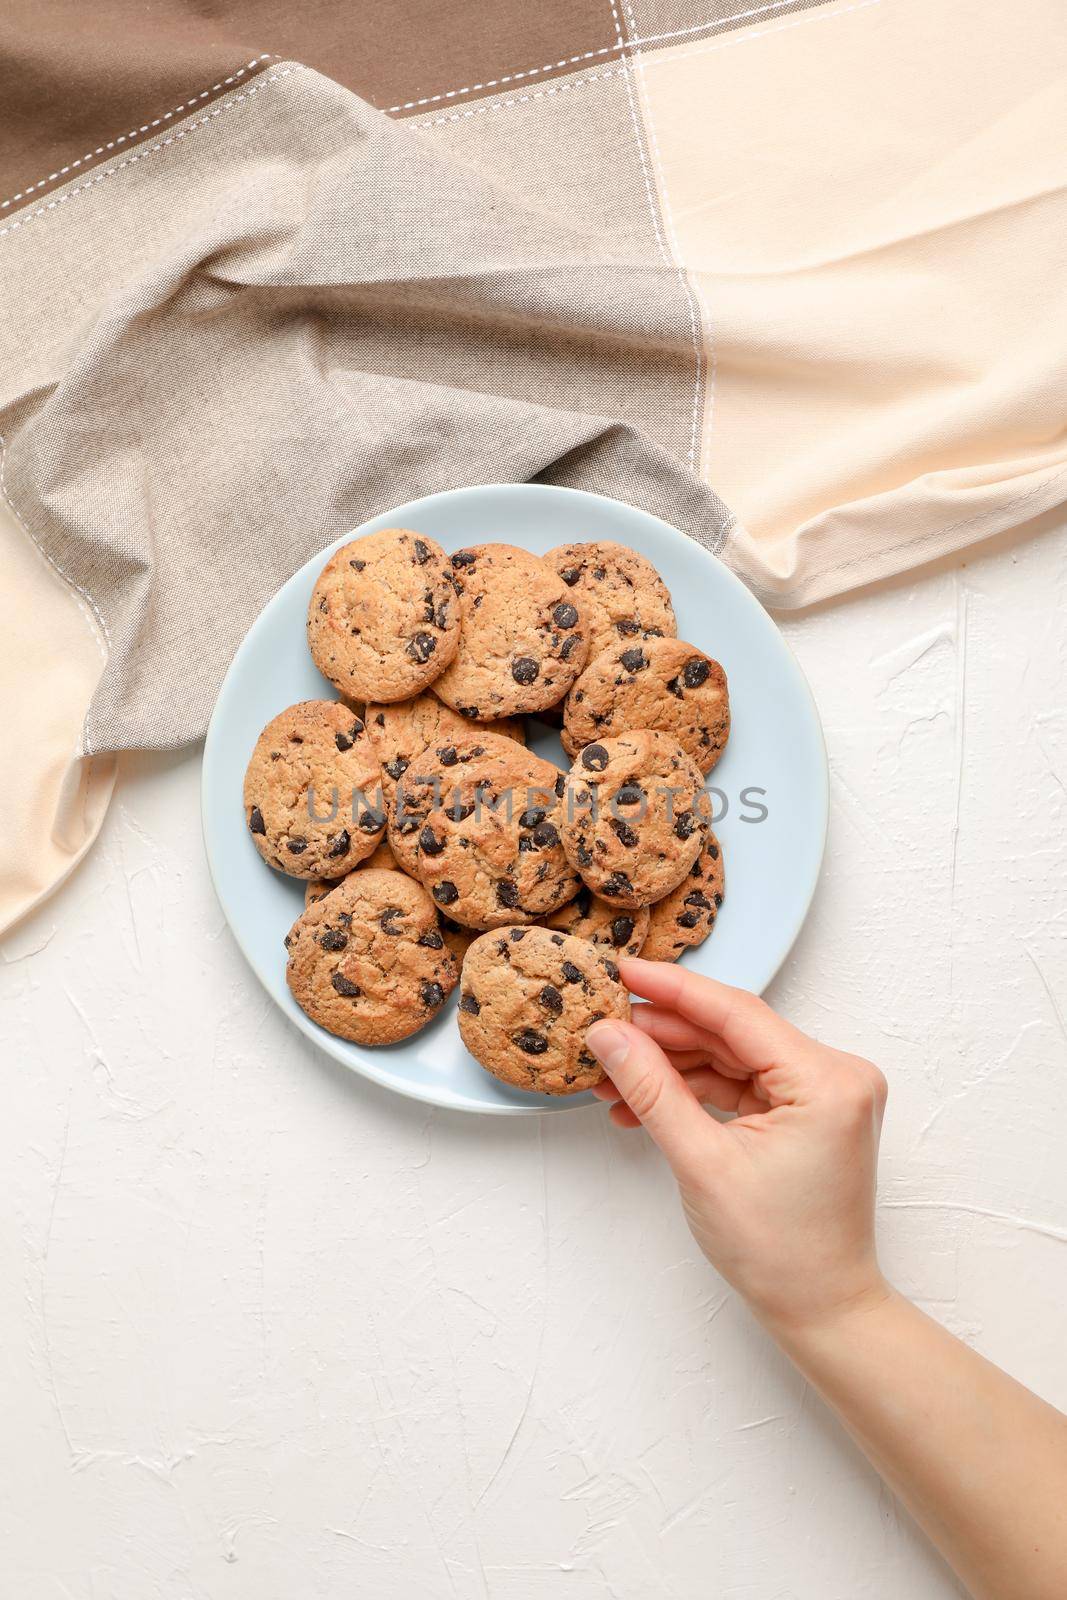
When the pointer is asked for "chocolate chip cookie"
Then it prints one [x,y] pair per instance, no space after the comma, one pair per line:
[621,595]
[403,730]
[384,617]
[687,915]
[312,791]
[635,816]
[369,962]
[527,997]
[657,683]
[427,777]
[589,917]
[489,851]
[523,639]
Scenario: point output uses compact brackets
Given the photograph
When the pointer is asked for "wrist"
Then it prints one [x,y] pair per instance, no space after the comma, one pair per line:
[848,1317]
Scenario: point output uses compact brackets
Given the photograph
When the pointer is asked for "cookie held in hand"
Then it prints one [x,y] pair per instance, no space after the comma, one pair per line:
[527,997]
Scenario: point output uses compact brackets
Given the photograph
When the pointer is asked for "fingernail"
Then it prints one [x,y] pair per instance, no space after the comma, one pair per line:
[608,1043]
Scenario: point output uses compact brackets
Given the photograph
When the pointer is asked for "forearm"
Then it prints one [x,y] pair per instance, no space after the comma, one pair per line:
[979,1461]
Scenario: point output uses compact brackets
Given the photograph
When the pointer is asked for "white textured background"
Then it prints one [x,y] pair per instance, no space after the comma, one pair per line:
[267,1332]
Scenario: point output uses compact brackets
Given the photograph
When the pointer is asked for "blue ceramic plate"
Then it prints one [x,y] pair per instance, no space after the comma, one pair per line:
[769,789]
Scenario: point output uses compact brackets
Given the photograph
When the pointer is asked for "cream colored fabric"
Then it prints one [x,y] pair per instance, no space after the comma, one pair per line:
[51,658]
[870,201]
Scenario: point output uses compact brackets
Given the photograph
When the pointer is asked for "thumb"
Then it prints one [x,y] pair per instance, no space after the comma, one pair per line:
[658,1096]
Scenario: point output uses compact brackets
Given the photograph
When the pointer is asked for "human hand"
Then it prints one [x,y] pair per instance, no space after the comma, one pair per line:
[781,1199]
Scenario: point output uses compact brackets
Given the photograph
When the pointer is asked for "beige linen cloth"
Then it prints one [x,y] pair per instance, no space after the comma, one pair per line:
[808,254]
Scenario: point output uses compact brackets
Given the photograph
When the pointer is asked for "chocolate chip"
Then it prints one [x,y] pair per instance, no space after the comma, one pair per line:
[631,794]
[584,856]
[445,892]
[421,647]
[569,646]
[594,757]
[557,938]
[422,552]
[627,627]
[345,741]
[333,939]
[341,845]
[470,1004]
[634,660]
[611,969]
[684,826]
[695,672]
[296,847]
[429,843]
[600,573]
[431,994]
[570,576]
[560,786]
[623,832]
[545,836]
[675,688]
[459,812]
[507,893]
[467,711]
[551,999]
[370,821]
[565,616]
[688,919]
[531,817]
[255,821]
[357,566]
[697,899]
[441,615]
[447,755]
[387,920]
[622,931]
[431,940]
[345,986]
[571,972]
[718,901]
[287,941]
[618,883]
[525,669]
[464,558]
[713,852]
[534,1044]
[396,768]
[516,934]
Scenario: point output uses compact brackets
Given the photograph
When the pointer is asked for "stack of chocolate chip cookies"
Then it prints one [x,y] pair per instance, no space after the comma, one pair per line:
[437,850]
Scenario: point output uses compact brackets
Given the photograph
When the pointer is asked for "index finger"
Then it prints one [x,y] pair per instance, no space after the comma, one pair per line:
[758,1036]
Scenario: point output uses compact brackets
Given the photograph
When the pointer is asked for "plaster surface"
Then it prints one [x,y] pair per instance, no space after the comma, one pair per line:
[268,1333]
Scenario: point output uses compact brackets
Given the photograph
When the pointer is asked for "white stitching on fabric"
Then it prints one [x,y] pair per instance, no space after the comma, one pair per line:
[84,600]
[180,133]
[586,55]
[669,256]
[123,138]
[763,33]
[522,99]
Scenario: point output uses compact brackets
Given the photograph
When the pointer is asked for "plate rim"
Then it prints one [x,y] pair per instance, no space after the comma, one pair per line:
[364,1064]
